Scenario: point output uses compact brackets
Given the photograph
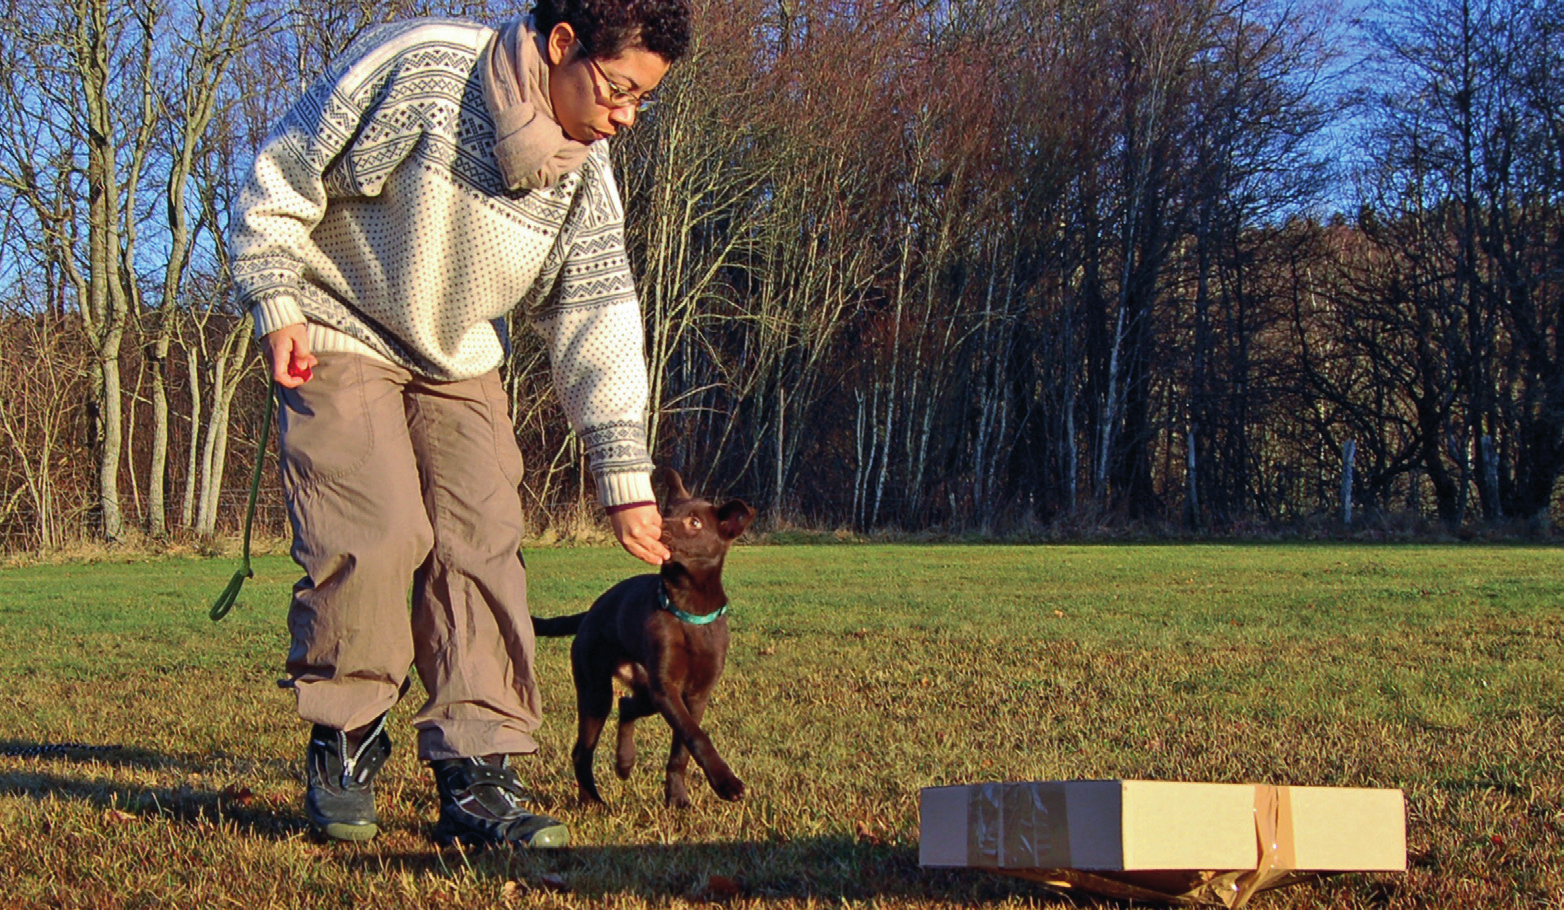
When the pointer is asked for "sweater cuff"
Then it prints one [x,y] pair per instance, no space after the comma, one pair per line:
[276,312]
[624,488]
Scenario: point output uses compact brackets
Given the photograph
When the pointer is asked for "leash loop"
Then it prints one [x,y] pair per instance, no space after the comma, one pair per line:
[226,600]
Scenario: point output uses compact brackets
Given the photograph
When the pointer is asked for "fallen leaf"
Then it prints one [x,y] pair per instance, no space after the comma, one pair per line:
[869,835]
[722,887]
[119,816]
[509,892]
[239,796]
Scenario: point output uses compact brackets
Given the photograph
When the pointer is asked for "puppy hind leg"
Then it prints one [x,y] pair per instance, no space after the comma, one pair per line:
[593,702]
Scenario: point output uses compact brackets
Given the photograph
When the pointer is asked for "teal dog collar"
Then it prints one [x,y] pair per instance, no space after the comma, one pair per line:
[694,619]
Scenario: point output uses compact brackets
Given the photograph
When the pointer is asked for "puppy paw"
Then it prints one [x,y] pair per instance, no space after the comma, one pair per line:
[729,788]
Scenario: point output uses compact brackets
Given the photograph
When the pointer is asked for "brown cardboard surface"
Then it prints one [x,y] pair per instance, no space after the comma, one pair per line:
[1201,842]
[1340,830]
[1169,825]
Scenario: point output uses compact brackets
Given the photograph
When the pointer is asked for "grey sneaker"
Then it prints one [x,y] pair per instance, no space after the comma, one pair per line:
[481,802]
[340,794]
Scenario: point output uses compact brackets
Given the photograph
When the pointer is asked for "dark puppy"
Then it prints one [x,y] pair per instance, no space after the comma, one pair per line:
[664,636]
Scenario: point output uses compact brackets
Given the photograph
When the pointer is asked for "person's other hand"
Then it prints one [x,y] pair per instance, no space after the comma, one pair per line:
[640,529]
[288,355]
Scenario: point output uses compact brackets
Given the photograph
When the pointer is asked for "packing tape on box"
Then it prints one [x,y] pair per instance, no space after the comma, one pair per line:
[1024,830]
[1274,831]
[1017,825]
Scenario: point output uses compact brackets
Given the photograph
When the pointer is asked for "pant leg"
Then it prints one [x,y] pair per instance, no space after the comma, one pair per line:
[359,533]
[472,632]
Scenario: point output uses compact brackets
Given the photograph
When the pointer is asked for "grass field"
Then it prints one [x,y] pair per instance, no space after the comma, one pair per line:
[859,674]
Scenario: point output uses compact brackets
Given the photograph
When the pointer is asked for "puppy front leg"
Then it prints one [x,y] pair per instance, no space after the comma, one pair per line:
[631,709]
[676,793]
[689,735]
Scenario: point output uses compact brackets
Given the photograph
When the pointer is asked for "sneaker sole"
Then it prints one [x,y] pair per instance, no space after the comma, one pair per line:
[550,838]
[553,837]
[342,831]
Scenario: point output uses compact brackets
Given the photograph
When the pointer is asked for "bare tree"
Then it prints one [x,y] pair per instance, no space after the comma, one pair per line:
[63,159]
[1461,192]
[1258,107]
[209,38]
[39,368]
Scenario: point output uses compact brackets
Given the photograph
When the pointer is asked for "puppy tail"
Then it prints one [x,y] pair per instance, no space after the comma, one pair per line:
[557,626]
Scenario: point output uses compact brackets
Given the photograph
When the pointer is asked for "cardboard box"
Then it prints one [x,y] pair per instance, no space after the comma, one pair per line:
[1187,843]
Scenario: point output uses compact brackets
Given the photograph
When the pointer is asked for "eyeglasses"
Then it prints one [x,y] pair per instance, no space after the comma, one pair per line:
[618,95]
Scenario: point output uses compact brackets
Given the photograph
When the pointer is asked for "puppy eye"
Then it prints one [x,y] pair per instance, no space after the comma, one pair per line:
[695,524]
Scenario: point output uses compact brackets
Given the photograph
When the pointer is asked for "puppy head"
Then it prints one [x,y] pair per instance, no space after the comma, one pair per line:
[693,527]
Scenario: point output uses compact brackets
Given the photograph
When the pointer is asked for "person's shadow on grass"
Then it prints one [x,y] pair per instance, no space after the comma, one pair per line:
[825,868]
[188,804]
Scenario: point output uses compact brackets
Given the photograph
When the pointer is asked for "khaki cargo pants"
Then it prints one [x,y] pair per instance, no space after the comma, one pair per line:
[391,480]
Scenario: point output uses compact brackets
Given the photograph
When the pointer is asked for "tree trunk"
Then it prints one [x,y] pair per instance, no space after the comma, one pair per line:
[227,372]
[193,447]
[105,312]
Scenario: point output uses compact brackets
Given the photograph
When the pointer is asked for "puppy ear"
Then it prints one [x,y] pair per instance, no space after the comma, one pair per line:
[673,483]
[733,517]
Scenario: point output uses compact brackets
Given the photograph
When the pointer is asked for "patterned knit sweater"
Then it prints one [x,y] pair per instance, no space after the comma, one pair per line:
[376,213]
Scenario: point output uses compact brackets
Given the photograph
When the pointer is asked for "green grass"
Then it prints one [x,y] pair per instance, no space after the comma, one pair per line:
[859,674]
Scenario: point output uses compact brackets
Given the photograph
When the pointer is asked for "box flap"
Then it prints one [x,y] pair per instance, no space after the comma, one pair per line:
[1337,829]
[942,826]
[1175,825]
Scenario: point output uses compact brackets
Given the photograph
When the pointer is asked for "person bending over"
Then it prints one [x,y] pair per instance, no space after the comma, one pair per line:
[440,177]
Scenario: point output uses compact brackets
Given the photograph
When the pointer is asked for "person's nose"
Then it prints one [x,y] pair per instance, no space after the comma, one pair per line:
[623,117]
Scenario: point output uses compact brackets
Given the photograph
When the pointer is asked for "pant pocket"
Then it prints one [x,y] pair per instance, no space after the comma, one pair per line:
[326,431]
[506,451]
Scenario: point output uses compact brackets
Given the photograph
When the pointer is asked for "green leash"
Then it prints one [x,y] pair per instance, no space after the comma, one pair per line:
[226,600]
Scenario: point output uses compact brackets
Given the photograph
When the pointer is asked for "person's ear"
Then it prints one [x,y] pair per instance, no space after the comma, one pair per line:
[560,39]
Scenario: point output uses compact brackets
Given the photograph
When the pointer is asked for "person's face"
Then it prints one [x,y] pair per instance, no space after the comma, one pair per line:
[594,99]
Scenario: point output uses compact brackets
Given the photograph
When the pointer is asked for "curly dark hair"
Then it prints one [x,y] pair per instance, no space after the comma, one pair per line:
[610,27]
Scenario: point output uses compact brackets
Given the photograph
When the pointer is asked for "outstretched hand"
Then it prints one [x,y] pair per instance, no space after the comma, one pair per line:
[639,529]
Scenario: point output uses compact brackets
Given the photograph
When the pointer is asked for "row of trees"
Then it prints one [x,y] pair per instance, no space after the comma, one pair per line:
[958,263]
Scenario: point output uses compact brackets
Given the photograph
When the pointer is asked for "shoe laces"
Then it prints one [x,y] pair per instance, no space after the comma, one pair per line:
[355,771]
